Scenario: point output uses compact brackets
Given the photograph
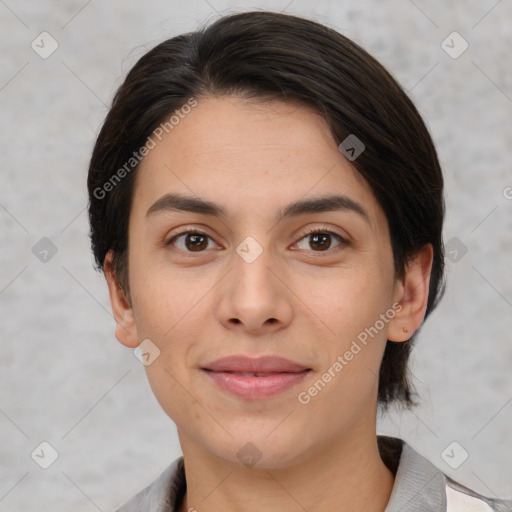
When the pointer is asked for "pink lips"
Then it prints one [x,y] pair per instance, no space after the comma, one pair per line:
[257,378]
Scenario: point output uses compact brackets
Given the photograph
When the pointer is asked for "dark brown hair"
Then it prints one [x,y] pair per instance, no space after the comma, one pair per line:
[268,55]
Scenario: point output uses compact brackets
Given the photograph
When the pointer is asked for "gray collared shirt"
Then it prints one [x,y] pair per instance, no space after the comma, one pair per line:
[419,487]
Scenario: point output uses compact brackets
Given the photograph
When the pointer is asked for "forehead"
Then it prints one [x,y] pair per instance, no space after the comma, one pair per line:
[250,155]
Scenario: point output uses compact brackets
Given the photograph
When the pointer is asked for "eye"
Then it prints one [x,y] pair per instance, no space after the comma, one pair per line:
[321,239]
[193,241]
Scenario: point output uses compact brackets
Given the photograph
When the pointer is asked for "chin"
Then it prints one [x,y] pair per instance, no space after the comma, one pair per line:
[260,451]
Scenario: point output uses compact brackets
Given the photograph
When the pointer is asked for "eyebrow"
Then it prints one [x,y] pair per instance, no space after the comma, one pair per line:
[321,204]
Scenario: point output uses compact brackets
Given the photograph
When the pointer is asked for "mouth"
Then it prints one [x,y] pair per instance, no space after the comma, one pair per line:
[262,365]
[253,374]
[255,386]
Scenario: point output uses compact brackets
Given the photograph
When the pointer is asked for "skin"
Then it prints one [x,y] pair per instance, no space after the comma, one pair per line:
[254,158]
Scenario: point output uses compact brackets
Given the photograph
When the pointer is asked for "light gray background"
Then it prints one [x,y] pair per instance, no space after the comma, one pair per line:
[64,377]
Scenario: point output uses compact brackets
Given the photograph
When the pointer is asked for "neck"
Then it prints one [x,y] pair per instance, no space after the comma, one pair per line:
[348,475]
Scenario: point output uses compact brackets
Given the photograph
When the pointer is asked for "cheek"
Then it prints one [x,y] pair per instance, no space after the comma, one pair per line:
[162,299]
[349,303]
[353,345]
[171,310]
[352,348]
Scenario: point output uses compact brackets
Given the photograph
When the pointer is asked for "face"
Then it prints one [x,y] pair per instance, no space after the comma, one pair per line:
[252,282]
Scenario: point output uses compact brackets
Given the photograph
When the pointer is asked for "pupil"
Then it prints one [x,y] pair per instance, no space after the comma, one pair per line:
[196,242]
[323,237]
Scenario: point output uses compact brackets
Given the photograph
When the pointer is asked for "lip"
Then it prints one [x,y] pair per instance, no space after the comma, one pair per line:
[263,364]
[284,374]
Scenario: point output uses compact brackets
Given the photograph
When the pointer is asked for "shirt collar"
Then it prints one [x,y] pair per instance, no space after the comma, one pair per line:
[418,485]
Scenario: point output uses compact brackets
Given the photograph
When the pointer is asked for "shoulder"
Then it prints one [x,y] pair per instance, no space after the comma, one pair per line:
[162,495]
[462,499]
[420,485]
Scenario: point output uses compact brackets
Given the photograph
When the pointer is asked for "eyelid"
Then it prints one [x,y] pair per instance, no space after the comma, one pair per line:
[326,229]
[344,240]
[186,230]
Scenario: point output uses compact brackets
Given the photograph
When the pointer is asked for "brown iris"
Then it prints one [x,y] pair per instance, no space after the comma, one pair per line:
[196,242]
[323,240]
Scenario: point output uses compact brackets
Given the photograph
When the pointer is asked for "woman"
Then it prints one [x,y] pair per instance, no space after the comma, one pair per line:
[267,206]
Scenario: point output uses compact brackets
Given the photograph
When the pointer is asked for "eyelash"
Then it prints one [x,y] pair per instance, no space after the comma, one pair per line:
[343,241]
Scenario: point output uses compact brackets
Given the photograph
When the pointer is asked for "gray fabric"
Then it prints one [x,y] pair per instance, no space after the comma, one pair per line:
[163,495]
[496,504]
[419,486]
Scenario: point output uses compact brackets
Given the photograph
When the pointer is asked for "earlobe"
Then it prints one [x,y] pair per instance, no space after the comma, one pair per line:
[411,293]
[126,330]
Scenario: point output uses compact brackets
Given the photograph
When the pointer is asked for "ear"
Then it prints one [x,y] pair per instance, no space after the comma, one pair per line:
[126,330]
[411,291]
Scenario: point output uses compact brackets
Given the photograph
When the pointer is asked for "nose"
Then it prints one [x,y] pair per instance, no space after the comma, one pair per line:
[254,297]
